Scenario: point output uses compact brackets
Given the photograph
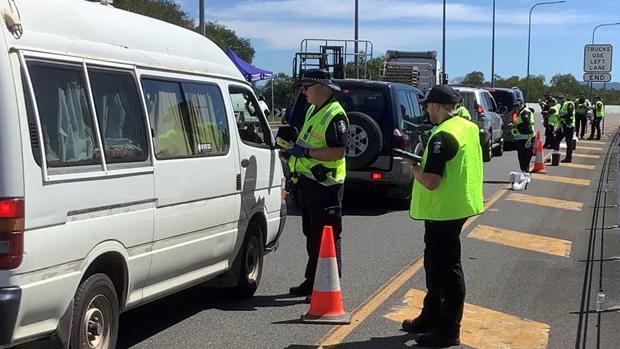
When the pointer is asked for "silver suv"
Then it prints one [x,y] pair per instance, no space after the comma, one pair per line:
[483,110]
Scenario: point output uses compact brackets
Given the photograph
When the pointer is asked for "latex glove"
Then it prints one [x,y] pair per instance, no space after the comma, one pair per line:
[297,151]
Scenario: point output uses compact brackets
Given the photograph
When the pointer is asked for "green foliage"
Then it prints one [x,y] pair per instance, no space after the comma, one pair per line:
[227,38]
[283,93]
[165,10]
[474,78]
[373,69]
[171,12]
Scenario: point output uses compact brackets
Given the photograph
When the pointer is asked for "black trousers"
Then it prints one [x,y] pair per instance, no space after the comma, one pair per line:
[596,126]
[321,206]
[444,302]
[581,121]
[524,153]
[549,137]
[565,133]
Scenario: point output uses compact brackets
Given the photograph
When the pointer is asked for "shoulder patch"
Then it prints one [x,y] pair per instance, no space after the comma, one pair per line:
[341,127]
[437,147]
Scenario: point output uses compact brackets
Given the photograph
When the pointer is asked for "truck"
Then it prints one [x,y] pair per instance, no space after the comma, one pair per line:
[416,68]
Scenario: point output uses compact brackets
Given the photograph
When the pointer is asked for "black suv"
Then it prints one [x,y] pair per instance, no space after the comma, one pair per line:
[382,116]
[509,102]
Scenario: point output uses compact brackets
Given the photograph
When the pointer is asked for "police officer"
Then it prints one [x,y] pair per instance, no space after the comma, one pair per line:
[553,124]
[567,126]
[317,162]
[447,189]
[581,115]
[523,134]
[599,114]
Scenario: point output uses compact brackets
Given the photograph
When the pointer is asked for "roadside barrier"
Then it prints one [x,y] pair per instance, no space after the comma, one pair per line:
[326,305]
[539,163]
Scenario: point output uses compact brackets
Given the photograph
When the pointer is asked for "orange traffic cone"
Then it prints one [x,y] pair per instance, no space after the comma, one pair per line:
[326,304]
[539,163]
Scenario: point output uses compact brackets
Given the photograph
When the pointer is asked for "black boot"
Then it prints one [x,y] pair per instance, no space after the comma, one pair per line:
[418,325]
[304,289]
[566,160]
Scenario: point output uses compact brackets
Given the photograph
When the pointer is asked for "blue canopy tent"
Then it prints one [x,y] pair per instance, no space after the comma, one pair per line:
[250,72]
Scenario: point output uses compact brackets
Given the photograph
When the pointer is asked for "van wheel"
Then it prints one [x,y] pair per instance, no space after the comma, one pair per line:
[499,148]
[95,314]
[486,152]
[251,259]
[365,141]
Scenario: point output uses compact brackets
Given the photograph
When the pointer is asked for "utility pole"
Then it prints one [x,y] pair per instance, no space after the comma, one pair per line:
[443,47]
[201,21]
[493,49]
[355,63]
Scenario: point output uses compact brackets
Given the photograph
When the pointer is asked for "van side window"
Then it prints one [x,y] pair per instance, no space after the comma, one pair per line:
[120,116]
[66,119]
[188,119]
[207,117]
[252,126]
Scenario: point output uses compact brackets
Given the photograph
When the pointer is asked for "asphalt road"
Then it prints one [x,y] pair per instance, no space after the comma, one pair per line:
[520,291]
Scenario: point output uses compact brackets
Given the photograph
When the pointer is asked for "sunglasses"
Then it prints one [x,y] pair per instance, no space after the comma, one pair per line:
[306,87]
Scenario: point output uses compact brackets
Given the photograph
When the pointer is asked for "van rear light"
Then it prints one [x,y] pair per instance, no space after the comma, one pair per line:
[479,109]
[401,140]
[376,176]
[11,233]
[514,116]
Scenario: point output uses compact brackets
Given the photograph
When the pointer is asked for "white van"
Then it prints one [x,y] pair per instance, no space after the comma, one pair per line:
[134,162]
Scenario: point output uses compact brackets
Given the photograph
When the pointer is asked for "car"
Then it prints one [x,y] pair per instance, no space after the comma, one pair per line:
[509,101]
[133,167]
[481,105]
[382,116]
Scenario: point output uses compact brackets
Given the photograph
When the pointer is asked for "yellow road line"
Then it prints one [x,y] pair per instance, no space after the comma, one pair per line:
[558,179]
[589,148]
[585,156]
[547,202]
[525,241]
[591,142]
[579,166]
[483,327]
[339,333]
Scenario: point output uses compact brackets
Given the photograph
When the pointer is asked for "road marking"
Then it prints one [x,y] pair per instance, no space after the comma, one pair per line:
[361,313]
[591,142]
[558,179]
[525,241]
[548,202]
[483,327]
[579,166]
[589,148]
[585,156]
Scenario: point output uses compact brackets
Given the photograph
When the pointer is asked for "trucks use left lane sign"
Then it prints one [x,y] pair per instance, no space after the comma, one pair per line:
[597,58]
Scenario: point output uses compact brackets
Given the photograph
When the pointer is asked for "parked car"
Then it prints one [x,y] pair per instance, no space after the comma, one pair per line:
[509,101]
[483,110]
[132,166]
[382,116]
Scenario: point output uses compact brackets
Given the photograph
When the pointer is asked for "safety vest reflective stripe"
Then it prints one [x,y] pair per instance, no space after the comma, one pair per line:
[312,136]
[459,194]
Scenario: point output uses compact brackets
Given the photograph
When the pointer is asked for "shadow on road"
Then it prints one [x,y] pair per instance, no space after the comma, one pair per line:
[405,341]
[361,204]
[141,323]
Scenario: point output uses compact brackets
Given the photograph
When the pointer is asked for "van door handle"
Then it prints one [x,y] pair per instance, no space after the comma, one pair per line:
[245,163]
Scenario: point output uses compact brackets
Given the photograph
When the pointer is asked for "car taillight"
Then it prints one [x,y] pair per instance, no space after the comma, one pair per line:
[479,109]
[400,139]
[514,116]
[11,233]
[376,176]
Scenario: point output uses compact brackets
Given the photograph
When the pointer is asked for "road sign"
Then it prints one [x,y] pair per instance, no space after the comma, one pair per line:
[597,58]
[597,77]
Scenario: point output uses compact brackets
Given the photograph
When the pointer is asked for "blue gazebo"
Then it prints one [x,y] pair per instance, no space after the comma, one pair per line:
[250,72]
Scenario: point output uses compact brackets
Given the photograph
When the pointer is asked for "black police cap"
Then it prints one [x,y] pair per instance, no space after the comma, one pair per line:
[442,94]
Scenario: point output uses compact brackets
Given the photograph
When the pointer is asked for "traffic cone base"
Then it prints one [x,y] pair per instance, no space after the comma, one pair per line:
[326,305]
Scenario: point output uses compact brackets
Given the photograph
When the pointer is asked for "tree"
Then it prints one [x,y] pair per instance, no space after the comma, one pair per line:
[226,38]
[165,10]
[283,93]
[171,12]
[568,85]
[373,68]
[474,78]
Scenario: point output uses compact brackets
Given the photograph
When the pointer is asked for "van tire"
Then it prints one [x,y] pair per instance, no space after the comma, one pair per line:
[498,150]
[95,314]
[250,258]
[486,152]
[365,141]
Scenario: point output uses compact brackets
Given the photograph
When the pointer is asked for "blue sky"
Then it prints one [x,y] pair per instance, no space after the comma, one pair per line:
[559,32]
